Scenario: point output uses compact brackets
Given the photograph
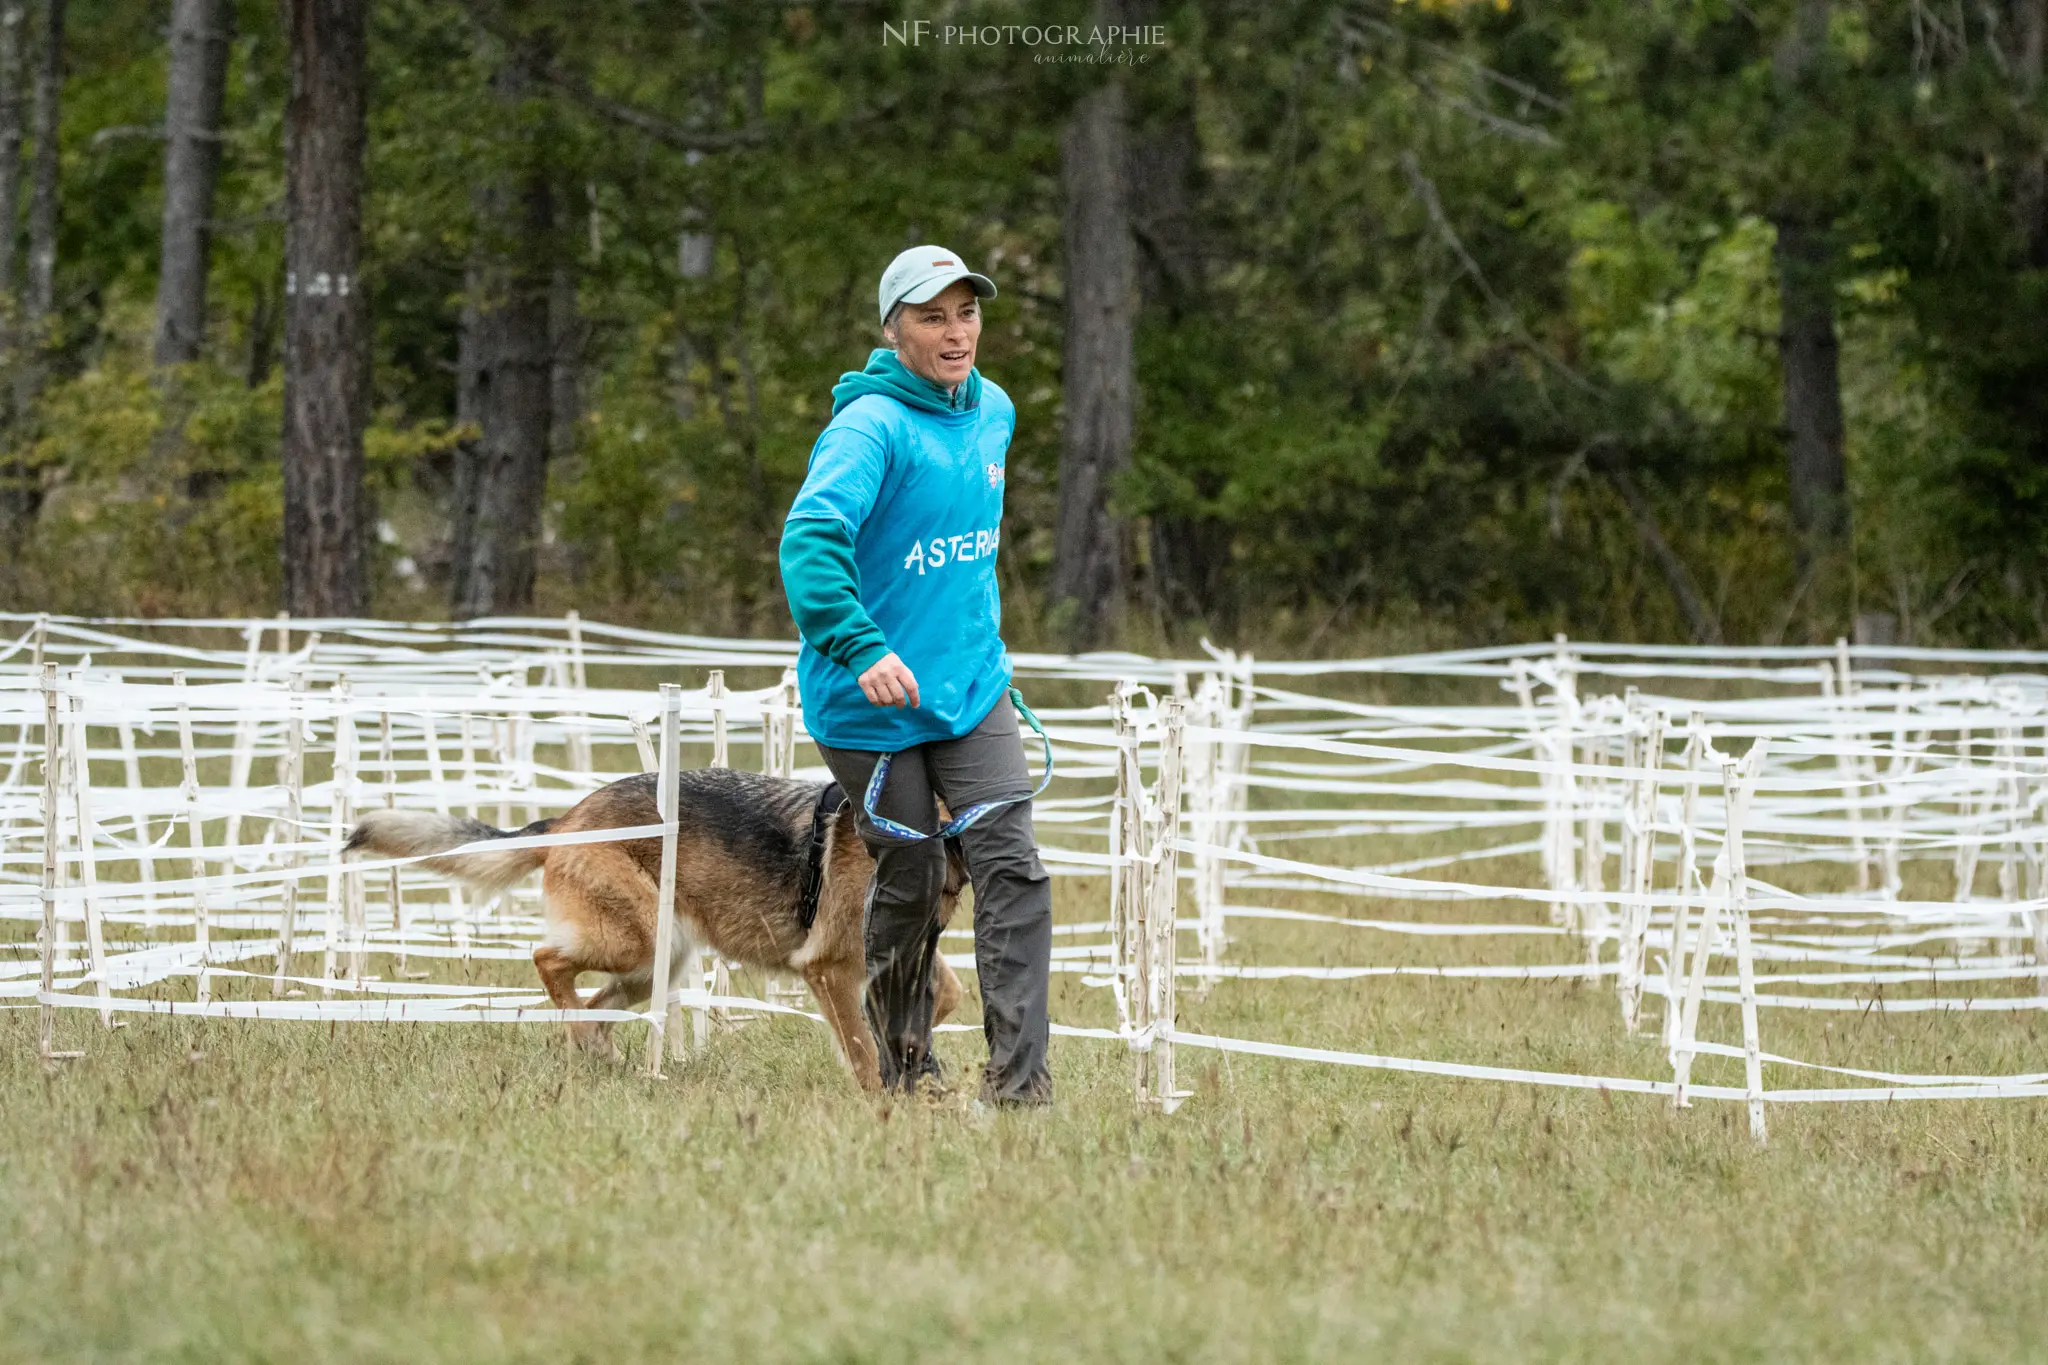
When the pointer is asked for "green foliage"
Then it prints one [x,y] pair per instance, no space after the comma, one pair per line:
[630,498]
[118,448]
[1455,261]
[1702,336]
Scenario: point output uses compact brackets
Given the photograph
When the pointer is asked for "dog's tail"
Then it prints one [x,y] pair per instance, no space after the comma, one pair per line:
[410,833]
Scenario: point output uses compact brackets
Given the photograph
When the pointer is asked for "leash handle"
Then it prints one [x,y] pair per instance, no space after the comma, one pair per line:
[954,826]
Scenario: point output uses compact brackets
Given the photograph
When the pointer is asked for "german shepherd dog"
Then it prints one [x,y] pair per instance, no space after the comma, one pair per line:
[742,856]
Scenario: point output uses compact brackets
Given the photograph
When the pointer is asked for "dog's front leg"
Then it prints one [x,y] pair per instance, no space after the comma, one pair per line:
[836,986]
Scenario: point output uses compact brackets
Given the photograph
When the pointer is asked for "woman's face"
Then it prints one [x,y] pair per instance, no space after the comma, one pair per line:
[936,340]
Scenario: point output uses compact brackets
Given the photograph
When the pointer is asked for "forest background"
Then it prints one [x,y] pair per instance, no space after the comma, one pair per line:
[1330,323]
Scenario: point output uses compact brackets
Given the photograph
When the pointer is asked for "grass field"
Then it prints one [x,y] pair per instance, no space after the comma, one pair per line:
[235,1191]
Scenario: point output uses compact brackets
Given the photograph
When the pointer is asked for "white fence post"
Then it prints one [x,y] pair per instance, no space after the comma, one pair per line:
[715,689]
[1739,789]
[437,778]
[248,730]
[1730,892]
[579,680]
[1594,917]
[1702,954]
[53,840]
[1565,791]
[771,733]
[1162,874]
[88,861]
[1965,857]
[643,745]
[665,904]
[67,780]
[693,959]
[294,809]
[344,887]
[464,723]
[1122,848]
[188,756]
[395,894]
[138,820]
[1897,779]
[1850,763]
[791,709]
[1640,835]
[1686,884]
[1204,782]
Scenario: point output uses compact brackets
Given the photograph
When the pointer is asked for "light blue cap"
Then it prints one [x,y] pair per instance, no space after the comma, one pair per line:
[921,273]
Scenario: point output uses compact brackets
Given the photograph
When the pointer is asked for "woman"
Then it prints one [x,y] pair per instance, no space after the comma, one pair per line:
[888,559]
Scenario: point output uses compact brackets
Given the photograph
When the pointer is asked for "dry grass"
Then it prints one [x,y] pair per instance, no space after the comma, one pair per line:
[422,1192]
[231,1191]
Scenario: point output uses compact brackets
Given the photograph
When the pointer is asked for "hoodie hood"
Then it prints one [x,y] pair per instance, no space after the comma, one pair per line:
[887,374]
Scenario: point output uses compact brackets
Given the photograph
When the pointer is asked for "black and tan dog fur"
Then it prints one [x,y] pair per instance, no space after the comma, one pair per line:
[740,858]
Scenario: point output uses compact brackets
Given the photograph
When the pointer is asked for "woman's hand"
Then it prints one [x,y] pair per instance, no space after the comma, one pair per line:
[889,682]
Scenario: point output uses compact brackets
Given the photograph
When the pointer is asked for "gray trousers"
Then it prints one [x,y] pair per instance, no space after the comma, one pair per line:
[1012,903]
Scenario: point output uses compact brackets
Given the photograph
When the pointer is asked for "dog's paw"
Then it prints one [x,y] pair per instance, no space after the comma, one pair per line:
[594,1042]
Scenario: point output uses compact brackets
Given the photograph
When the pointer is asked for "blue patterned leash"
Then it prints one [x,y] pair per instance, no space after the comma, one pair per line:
[954,826]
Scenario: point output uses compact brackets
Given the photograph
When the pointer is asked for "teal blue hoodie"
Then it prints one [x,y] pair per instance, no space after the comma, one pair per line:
[886,374]
[907,494]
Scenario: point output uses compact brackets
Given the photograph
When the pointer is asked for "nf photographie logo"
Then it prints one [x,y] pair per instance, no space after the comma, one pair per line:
[1122,43]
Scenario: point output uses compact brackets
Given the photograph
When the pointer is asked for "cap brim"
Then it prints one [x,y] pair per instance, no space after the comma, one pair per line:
[925,292]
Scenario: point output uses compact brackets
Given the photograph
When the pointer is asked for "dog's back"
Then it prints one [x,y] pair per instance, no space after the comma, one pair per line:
[759,823]
[742,850]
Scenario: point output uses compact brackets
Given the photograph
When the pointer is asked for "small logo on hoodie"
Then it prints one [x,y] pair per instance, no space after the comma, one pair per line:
[995,475]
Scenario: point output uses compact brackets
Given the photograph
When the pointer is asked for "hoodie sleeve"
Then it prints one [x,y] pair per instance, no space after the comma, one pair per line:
[819,575]
[823,586]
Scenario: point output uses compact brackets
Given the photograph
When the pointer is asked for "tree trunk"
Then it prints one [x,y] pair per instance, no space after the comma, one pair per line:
[16,480]
[501,475]
[1189,553]
[1810,357]
[568,348]
[1165,189]
[2030,200]
[1091,552]
[21,493]
[505,387]
[201,31]
[39,296]
[1808,353]
[568,342]
[327,319]
[13,22]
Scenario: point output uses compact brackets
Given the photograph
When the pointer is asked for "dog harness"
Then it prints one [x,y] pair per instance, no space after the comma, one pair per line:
[952,828]
[813,883]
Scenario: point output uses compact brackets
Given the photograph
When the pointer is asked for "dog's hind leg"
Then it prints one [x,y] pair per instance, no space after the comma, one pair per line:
[558,972]
[600,909]
[620,993]
[837,987]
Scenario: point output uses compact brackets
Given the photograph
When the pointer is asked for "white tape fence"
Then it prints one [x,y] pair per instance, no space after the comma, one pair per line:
[1781,829]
